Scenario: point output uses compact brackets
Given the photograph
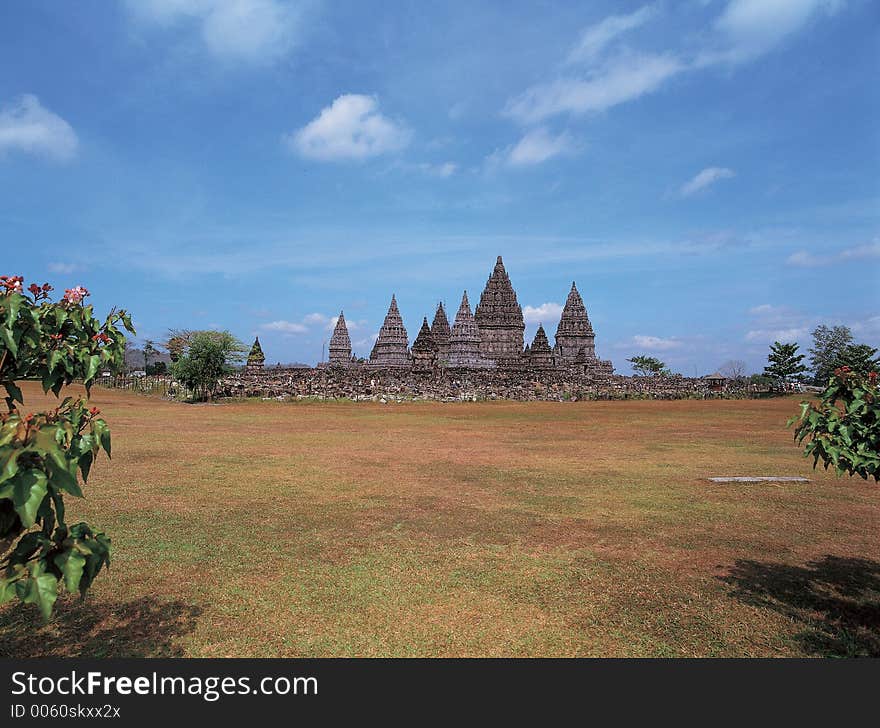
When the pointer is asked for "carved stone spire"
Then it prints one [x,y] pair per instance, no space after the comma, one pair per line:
[575,331]
[256,358]
[424,350]
[540,355]
[391,349]
[500,319]
[440,333]
[340,343]
[464,344]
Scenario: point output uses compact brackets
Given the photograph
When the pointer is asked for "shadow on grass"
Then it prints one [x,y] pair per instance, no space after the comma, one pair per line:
[144,627]
[836,600]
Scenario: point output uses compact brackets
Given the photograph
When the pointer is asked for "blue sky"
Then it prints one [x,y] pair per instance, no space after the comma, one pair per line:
[706,171]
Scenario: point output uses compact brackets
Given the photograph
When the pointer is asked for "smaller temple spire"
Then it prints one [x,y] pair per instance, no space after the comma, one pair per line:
[540,354]
[440,333]
[391,348]
[256,359]
[340,343]
[424,350]
[464,344]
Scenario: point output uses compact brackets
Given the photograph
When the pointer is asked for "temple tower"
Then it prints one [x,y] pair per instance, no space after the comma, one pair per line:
[340,343]
[424,349]
[464,343]
[500,320]
[256,359]
[440,333]
[390,349]
[540,356]
[574,333]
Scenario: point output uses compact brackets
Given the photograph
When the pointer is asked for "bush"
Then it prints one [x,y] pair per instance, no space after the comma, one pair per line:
[843,430]
[209,356]
[42,454]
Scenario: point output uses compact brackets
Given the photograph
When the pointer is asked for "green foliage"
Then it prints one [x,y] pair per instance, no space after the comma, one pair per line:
[784,362]
[843,430]
[858,357]
[159,367]
[828,344]
[206,359]
[43,454]
[648,366]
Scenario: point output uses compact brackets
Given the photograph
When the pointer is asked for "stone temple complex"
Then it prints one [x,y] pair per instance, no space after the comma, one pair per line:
[490,338]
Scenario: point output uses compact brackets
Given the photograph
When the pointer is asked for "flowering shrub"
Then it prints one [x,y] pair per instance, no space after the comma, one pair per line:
[843,430]
[43,454]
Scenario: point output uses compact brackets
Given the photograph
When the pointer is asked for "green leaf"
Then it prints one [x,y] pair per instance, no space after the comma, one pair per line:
[7,589]
[94,363]
[42,590]
[71,564]
[85,464]
[100,429]
[31,487]
[13,391]
[9,340]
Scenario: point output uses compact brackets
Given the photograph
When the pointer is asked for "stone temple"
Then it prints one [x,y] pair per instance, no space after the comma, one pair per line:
[489,338]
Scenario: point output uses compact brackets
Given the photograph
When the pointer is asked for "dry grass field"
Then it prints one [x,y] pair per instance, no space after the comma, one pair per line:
[487,529]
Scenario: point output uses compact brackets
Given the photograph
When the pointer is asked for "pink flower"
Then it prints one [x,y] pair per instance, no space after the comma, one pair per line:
[12,284]
[75,295]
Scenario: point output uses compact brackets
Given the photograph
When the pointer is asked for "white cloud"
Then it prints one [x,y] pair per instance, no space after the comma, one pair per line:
[625,78]
[763,309]
[655,343]
[309,322]
[350,128]
[546,313]
[806,259]
[704,179]
[285,327]
[27,126]
[596,38]
[743,30]
[769,335]
[444,170]
[751,28]
[538,146]
[63,268]
[860,252]
[252,31]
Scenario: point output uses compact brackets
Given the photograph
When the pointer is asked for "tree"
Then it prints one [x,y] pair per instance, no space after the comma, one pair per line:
[43,453]
[156,368]
[150,350]
[843,430]
[733,369]
[648,366]
[784,362]
[828,345]
[176,342]
[858,357]
[207,358]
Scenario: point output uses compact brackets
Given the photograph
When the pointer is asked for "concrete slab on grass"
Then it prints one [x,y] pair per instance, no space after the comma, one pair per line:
[761,479]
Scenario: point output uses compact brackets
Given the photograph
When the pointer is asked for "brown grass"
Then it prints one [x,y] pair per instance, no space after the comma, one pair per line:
[541,529]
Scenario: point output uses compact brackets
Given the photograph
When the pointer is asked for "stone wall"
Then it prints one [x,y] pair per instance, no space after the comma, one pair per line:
[369,383]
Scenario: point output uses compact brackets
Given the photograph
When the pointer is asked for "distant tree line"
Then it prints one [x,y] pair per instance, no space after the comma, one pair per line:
[833,347]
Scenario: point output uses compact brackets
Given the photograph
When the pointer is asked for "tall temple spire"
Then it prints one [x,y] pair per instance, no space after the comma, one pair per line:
[340,343]
[440,333]
[500,319]
[575,332]
[390,349]
[464,344]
